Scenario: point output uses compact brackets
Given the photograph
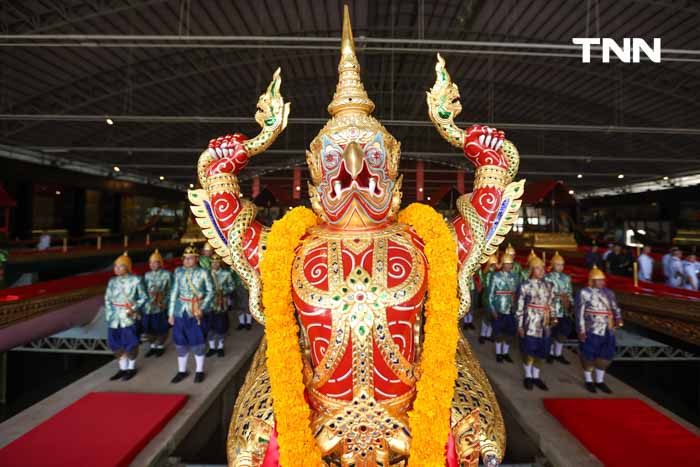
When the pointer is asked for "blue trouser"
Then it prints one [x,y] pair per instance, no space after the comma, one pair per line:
[598,347]
[219,324]
[563,328]
[187,332]
[504,326]
[123,339]
[155,324]
[537,347]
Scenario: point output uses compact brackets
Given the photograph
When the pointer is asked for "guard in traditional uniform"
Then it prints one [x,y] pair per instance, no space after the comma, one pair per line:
[224,286]
[245,319]
[205,256]
[124,298]
[597,315]
[501,305]
[561,308]
[485,278]
[468,320]
[191,297]
[517,268]
[525,272]
[533,316]
[155,317]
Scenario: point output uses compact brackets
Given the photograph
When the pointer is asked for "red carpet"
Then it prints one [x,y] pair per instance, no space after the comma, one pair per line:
[626,432]
[103,429]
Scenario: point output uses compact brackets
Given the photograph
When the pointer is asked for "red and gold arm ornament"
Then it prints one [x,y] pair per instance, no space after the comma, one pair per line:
[226,219]
[487,213]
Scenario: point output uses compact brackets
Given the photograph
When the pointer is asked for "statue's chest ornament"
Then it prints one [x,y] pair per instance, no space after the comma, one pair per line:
[358,303]
[361,429]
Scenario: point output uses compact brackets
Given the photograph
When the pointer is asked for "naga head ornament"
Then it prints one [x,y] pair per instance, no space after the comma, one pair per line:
[353,160]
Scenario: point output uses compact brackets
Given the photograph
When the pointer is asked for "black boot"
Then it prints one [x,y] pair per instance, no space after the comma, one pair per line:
[540,384]
[199,377]
[118,375]
[160,352]
[561,359]
[211,352]
[499,358]
[550,358]
[220,352]
[590,387]
[248,326]
[603,387]
[179,377]
[128,374]
[151,352]
[240,326]
[482,339]
[527,382]
[507,358]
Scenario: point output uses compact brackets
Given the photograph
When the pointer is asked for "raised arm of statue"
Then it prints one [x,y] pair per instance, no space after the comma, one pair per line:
[227,220]
[489,211]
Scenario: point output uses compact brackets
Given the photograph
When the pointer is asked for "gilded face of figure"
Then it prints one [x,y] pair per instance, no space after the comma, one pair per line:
[120,270]
[154,265]
[356,186]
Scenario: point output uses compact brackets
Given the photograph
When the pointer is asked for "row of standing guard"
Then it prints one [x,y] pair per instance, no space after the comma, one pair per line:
[537,307]
[193,301]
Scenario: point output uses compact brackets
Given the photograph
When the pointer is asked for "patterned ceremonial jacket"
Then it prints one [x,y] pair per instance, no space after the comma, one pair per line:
[224,285]
[158,286]
[190,285]
[485,278]
[596,311]
[123,291]
[561,284]
[534,307]
[501,292]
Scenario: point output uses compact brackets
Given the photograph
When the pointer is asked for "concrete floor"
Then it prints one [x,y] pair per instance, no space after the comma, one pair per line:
[527,409]
[154,377]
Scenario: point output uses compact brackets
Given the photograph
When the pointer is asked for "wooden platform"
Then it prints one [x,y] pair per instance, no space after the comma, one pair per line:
[526,408]
[209,405]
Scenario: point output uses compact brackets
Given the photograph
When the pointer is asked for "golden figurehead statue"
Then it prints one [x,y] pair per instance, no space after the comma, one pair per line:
[344,376]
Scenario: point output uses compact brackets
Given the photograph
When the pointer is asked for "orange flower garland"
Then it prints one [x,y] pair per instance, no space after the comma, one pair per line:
[297,446]
[429,420]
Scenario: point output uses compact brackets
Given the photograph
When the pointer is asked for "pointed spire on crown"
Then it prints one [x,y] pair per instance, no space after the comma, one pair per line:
[350,95]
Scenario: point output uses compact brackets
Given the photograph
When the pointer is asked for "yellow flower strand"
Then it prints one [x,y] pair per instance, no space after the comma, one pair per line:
[284,360]
[429,420]
[297,446]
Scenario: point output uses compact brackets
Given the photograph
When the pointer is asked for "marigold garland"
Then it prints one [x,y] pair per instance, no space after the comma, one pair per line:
[429,420]
[297,446]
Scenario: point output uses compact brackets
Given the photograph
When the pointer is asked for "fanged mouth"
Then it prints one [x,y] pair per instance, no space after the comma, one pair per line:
[364,181]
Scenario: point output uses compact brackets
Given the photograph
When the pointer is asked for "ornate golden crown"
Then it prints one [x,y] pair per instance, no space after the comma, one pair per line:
[557,259]
[190,251]
[155,256]
[123,260]
[351,107]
